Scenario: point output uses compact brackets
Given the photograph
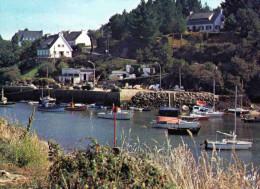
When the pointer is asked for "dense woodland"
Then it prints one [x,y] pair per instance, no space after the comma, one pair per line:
[155,32]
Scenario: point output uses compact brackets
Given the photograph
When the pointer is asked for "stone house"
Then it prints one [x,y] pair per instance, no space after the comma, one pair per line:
[26,35]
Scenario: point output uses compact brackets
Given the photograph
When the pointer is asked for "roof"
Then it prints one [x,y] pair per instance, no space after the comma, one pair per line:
[73,36]
[29,34]
[47,44]
[203,18]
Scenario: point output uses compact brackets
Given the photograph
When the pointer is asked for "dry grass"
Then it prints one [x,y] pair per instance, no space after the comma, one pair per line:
[182,170]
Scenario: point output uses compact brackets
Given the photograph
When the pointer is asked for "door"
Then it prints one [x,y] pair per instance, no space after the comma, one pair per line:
[85,77]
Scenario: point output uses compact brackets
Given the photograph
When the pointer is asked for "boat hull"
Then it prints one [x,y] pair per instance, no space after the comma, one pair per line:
[238,111]
[51,109]
[119,116]
[7,104]
[191,118]
[229,145]
[181,125]
[180,131]
[79,107]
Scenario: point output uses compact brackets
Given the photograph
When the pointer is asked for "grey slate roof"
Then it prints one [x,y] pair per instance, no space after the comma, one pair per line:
[49,42]
[202,18]
[29,34]
[72,36]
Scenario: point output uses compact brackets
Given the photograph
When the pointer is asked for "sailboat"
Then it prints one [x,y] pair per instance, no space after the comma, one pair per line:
[182,126]
[49,104]
[204,110]
[231,141]
[240,110]
[4,102]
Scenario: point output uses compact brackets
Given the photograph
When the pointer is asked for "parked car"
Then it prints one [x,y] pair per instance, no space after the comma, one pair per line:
[77,86]
[88,87]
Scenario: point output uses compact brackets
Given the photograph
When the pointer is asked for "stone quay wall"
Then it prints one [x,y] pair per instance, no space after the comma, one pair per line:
[124,99]
[64,96]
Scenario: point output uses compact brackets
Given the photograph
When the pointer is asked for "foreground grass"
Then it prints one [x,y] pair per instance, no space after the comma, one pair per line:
[135,166]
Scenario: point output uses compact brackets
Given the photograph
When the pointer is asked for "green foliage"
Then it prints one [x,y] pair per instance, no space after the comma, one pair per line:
[62,65]
[9,74]
[42,71]
[98,166]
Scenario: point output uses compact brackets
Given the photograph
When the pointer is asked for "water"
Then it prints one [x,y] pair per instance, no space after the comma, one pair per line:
[67,128]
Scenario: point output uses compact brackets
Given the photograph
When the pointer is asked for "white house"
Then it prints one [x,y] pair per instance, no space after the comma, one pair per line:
[74,76]
[26,35]
[147,70]
[55,46]
[78,37]
[209,21]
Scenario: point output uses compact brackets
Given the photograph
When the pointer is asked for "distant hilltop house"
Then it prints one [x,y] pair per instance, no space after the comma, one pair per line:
[55,46]
[78,37]
[26,35]
[209,21]
[74,75]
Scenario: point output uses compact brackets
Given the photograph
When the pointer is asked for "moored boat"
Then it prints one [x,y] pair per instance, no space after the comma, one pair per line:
[169,111]
[120,115]
[173,122]
[231,142]
[183,131]
[76,107]
[238,111]
[198,117]
[4,102]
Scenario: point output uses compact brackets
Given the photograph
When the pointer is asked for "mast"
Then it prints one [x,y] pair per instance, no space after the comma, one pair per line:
[48,83]
[3,93]
[235,112]
[214,83]
[180,95]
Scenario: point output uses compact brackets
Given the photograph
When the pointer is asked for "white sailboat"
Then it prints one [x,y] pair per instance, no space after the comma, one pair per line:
[206,111]
[231,142]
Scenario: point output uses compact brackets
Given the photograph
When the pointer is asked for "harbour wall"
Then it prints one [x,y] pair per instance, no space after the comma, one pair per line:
[66,96]
[125,98]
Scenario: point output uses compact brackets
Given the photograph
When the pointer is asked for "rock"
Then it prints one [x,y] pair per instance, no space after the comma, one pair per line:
[7,178]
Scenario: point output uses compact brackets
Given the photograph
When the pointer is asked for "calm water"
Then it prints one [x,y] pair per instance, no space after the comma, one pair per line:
[67,128]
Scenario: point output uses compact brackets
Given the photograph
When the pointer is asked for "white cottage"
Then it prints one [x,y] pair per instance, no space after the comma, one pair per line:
[74,76]
[78,37]
[209,21]
[55,46]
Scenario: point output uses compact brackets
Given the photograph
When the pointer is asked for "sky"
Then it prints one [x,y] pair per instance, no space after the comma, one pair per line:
[53,16]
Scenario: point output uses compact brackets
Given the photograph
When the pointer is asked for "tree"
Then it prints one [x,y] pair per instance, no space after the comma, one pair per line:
[182,28]
[62,65]
[144,25]
[43,69]
[14,41]
[93,35]
[9,74]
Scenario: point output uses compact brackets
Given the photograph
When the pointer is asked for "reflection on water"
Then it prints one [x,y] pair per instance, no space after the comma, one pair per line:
[67,128]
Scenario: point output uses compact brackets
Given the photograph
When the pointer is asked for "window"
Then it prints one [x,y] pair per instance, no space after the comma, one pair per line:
[58,45]
[208,27]
[217,27]
[67,52]
[62,45]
